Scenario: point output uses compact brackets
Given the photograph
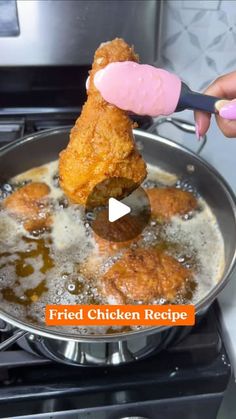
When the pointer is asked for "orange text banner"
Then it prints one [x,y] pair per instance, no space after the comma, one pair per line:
[120,315]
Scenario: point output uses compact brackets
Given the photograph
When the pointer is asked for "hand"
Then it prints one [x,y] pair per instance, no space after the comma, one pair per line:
[224,86]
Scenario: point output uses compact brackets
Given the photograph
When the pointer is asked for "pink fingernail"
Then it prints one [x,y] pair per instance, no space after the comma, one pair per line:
[228,111]
[197,131]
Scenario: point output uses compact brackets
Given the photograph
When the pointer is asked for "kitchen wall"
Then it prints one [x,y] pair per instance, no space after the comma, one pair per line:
[199,39]
[199,44]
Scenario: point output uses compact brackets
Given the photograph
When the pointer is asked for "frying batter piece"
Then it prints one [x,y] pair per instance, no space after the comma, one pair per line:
[144,275]
[29,204]
[167,202]
[101,143]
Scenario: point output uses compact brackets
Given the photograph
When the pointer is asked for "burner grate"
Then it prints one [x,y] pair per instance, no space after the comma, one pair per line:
[17,122]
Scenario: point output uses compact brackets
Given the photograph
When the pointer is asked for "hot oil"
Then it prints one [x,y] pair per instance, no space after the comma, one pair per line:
[30,296]
[42,249]
[63,265]
[82,285]
[24,264]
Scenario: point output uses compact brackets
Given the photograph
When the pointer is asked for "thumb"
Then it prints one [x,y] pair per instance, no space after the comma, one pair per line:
[227,109]
[226,118]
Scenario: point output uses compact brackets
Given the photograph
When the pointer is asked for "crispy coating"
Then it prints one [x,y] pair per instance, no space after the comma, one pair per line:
[102,251]
[167,202]
[101,142]
[29,205]
[145,275]
[108,248]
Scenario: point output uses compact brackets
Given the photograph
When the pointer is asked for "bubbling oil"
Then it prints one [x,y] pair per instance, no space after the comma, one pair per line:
[62,265]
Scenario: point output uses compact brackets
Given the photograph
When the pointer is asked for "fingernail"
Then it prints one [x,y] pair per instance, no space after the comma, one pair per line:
[220,104]
[197,131]
[228,111]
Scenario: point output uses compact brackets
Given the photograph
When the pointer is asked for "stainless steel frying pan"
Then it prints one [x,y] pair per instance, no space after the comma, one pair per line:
[41,148]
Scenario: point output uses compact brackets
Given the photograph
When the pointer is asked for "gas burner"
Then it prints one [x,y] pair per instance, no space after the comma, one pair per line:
[17,122]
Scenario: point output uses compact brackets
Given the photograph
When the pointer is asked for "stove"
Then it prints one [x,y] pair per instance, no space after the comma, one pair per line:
[18,122]
[189,378]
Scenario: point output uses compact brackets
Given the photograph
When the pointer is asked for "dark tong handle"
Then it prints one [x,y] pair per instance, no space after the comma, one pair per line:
[196,101]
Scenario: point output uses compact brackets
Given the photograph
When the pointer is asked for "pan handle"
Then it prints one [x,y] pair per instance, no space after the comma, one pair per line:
[18,333]
[181,124]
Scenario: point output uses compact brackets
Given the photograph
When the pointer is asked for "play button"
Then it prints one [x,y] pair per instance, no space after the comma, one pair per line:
[117,218]
[116,210]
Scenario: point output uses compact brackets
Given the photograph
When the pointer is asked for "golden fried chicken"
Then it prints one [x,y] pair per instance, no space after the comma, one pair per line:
[101,143]
[108,248]
[29,204]
[103,249]
[145,275]
[167,202]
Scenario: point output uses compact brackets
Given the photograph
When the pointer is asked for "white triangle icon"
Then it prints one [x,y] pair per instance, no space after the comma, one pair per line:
[116,209]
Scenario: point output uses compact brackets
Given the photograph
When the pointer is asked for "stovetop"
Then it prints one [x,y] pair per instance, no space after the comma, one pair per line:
[190,376]
[18,122]
[195,367]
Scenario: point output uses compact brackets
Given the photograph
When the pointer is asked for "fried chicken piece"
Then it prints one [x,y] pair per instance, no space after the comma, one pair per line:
[102,251]
[29,204]
[101,143]
[145,275]
[108,248]
[167,202]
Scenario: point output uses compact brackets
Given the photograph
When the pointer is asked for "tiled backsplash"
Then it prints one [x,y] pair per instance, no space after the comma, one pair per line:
[199,44]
